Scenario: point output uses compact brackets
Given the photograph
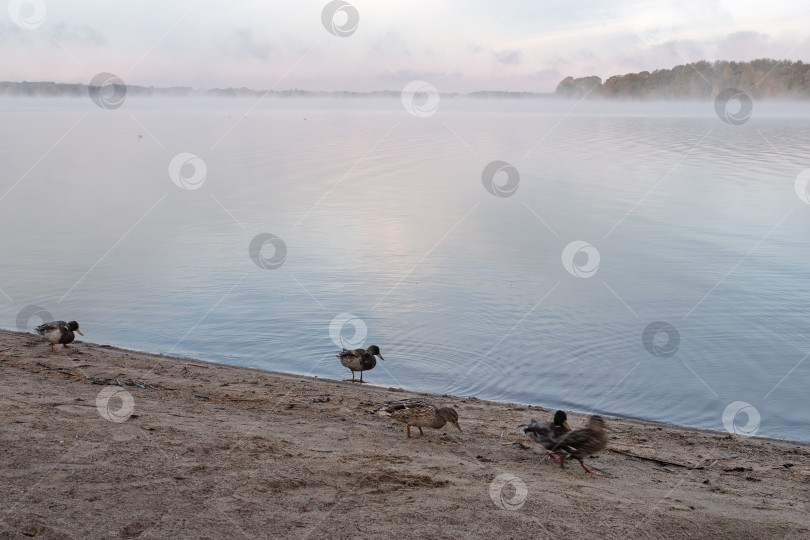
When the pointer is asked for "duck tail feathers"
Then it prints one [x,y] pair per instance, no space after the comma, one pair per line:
[385,404]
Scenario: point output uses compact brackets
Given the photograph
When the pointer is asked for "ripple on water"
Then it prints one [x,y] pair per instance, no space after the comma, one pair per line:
[699,232]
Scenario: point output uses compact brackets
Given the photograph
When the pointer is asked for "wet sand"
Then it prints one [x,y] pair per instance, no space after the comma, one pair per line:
[186,448]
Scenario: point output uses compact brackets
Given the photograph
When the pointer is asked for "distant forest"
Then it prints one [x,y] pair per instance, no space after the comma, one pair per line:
[52,89]
[761,78]
[758,78]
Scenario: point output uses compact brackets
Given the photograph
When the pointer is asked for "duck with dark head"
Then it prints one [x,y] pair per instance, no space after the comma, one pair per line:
[547,433]
[59,332]
[360,359]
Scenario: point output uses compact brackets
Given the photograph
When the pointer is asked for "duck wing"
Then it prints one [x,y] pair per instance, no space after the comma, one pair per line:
[545,434]
[539,432]
[351,354]
[352,359]
[52,326]
[580,443]
[415,412]
[411,404]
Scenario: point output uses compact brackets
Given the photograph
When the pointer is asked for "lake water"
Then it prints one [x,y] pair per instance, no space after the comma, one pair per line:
[391,238]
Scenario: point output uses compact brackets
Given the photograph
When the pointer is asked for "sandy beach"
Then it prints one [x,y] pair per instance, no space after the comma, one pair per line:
[100,442]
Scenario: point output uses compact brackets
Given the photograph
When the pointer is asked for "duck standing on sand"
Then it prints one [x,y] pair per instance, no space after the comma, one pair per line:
[581,443]
[546,434]
[419,413]
[360,359]
[59,332]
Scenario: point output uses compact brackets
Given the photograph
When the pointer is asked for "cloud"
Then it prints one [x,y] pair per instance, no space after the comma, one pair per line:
[744,45]
[389,44]
[243,43]
[77,33]
[735,46]
[508,57]
[550,74]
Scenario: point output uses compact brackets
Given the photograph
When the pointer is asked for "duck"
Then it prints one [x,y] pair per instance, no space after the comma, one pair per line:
[360,359]
[547,433]
[582,443]
[59,332]
[418,412]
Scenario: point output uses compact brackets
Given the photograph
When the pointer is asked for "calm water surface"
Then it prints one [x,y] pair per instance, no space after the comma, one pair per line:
[387,224]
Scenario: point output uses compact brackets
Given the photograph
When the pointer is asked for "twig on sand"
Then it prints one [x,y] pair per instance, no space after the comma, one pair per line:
[602,472]
[519,444]
[655,460]
[115,381]
[63,371]
[96,380]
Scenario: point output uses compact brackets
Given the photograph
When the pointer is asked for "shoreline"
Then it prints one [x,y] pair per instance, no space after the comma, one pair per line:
[212,450]
[646,421]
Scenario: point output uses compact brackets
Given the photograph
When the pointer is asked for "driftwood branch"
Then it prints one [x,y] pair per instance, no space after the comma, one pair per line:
[655,460]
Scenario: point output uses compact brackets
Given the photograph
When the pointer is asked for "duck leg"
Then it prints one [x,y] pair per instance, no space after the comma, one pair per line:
[65,346]
[588,468]
[422,433]
[409,432]
[555,458]
[54,350]
[361,375]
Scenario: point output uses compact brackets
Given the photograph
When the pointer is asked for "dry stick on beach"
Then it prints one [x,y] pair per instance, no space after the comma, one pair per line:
[655,460]
[63,371]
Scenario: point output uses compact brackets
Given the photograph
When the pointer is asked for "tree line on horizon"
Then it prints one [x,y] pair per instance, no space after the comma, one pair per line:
[761,78]
[53,89]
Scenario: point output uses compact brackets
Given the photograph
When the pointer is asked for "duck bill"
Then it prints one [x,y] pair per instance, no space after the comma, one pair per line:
[607,428]
[79,332]
[457,426]
[566,426]
[381,358]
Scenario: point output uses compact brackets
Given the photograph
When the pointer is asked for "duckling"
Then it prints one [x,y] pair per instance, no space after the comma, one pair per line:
[419,413]
[359,359]
[59,332]
[546,434]
[581,443]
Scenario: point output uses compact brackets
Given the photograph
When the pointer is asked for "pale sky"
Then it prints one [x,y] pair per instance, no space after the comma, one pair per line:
[524,45]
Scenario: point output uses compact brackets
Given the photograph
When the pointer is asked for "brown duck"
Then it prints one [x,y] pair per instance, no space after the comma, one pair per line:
[419,413]
[581,443]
